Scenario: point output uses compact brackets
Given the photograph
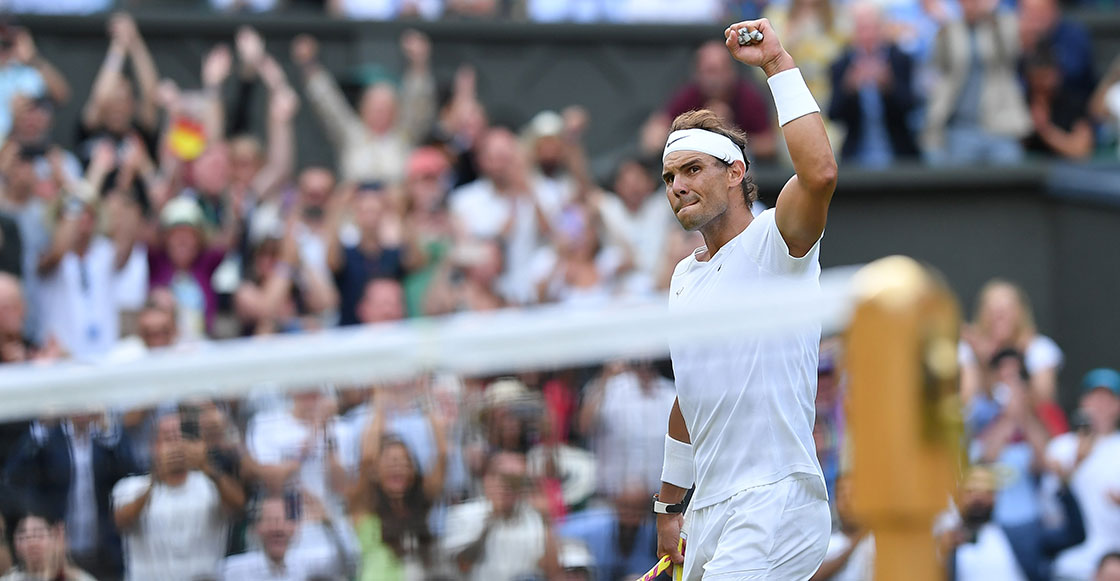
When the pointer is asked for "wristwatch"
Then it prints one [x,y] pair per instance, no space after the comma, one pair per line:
[664,508]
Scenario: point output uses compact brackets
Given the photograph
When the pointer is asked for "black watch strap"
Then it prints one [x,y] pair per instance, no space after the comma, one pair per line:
[664,508]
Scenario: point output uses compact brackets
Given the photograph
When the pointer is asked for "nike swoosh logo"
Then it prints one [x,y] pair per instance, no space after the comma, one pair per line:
[679,291]
[676,140]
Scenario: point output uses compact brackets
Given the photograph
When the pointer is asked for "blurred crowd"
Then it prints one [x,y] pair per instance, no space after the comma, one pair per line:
[169,223]
[1040,497]
[580,11]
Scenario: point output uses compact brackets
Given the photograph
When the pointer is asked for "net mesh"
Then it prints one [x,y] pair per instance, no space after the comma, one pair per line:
[472,344]
[560,412]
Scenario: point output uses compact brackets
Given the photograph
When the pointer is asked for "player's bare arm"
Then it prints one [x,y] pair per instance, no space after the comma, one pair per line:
[669,525]
[802,207]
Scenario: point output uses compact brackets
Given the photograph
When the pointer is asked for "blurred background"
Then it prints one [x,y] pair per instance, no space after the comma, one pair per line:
[176,174]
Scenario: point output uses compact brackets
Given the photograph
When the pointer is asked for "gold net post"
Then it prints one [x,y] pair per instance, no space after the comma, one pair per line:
[903,412]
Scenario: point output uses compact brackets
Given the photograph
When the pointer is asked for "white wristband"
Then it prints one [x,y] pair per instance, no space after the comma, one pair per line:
[791,96]
[679,468]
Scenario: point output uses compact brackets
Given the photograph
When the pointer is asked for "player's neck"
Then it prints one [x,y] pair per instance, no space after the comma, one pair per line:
[722,229]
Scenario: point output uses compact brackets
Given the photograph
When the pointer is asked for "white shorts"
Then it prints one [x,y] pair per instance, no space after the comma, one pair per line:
[777,532]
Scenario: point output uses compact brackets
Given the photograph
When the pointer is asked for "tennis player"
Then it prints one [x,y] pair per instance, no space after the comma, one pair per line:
[741,430]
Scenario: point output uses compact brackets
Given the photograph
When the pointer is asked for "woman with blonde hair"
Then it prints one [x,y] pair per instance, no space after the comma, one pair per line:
[1004,320]
[814,32]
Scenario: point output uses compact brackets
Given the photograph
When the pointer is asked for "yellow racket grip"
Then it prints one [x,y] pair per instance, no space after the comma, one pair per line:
[678,570]
[664,564]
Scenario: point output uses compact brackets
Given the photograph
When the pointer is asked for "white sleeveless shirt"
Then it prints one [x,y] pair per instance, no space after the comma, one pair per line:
[748,402]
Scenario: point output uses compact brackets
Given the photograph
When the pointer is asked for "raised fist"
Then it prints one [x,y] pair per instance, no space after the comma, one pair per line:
[250,47]
[122,29]
[766,54]
[283,105]
[25,50]
[216,66]
[576,120]
[417,48]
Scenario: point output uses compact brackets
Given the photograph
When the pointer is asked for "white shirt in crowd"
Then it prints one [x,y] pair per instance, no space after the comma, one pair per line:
[79,301]
[312,554]
[861,563]
[1042,353]
[313,250]
[81,504]
[256,566]
[276,437]
[267,219]
[181,534]
[1095,479]
[989,558]
[131,288]
[480,209]
[1112,104]
[513,548]
[750,390]
[483,213]
[644,232]
[325,551]
[608,261]
[629,440]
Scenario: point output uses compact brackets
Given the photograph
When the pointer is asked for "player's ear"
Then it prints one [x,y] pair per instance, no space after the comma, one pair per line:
[735,173]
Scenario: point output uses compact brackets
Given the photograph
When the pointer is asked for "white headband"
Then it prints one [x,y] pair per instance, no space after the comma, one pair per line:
[719,146]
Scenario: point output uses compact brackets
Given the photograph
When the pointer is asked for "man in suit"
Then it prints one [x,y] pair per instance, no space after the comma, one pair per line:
[873,94]
[71,466]
[976,112]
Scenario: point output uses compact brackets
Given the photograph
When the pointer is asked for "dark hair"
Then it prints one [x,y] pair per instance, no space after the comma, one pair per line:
[396,528]
[707,120]
[254,508]
[1110,556]
[492,458]
[36,509]
[1010,353]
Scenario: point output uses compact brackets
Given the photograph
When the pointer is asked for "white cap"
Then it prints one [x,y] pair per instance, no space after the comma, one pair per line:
[504,391]
[544,124]
[181,210]
[266,223]
[574,554]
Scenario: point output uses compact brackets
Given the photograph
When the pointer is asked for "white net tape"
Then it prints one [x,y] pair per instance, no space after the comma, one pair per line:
[470,344]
